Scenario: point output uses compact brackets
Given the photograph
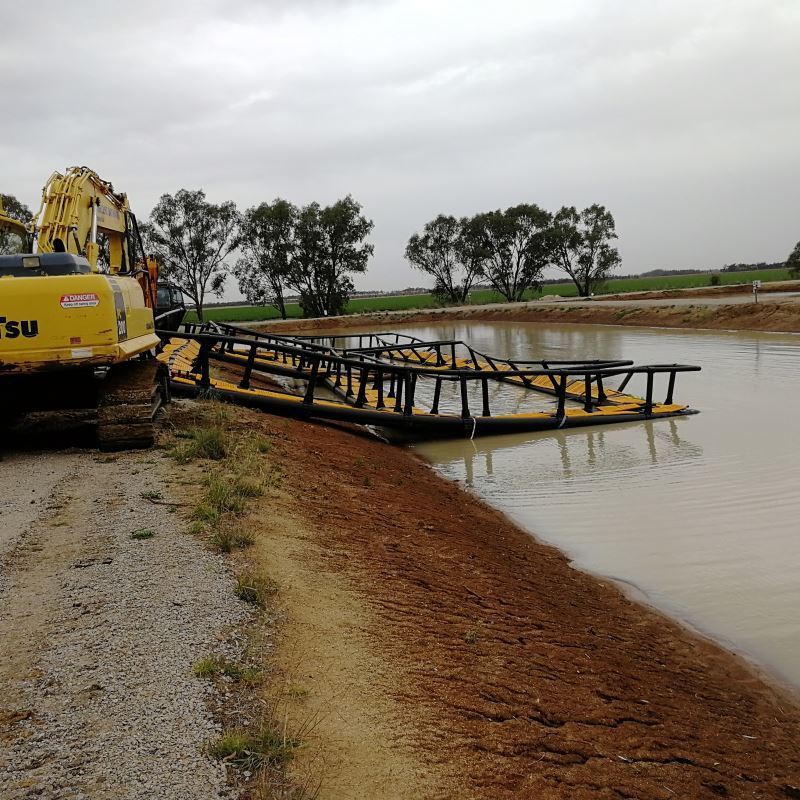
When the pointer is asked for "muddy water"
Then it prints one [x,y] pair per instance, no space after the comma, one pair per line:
[700,514]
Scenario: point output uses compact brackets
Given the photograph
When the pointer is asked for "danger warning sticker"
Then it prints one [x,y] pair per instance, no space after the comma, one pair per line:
[79,300]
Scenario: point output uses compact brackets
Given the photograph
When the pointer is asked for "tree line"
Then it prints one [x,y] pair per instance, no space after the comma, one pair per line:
[511,249]
[313,251]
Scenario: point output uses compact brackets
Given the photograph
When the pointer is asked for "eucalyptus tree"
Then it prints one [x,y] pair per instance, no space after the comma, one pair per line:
[191,239]
[793,262]
[330,246]
[581,246]
[444,250]
[512,247]
[268,246]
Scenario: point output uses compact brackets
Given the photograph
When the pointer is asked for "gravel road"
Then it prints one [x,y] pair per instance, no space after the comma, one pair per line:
[99,632]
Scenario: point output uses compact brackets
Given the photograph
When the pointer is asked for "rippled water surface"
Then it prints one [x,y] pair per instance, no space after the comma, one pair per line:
[700,513]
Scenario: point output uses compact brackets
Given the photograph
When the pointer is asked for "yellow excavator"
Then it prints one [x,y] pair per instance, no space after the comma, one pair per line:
[77,330]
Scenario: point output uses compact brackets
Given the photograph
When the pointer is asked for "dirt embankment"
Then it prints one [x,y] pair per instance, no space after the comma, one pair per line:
[446,653]
[741,316]
[729,290]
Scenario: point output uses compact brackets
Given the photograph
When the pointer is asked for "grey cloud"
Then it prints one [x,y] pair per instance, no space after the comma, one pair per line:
[681,117]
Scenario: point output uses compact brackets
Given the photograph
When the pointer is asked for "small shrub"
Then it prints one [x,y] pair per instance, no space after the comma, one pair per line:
[251,752]
[151,494]
[715,280]
[255,589]
[471,637]
[142,533]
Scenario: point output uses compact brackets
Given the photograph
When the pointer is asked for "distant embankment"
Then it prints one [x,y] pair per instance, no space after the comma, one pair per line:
[764,316]
[368,305]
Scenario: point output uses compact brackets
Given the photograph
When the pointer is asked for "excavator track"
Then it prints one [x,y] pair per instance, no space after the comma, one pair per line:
[130,398]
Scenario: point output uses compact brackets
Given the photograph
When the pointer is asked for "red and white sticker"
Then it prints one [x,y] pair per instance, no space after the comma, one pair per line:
[79,300]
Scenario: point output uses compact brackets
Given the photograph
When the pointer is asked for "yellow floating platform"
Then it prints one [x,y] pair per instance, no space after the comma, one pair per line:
[378,385]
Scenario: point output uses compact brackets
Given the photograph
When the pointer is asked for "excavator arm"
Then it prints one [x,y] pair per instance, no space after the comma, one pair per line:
[76,207]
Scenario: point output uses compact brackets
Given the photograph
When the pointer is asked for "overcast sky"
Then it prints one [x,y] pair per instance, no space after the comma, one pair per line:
[682,117]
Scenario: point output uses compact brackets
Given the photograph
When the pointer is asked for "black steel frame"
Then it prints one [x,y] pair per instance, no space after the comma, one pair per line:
[352,371]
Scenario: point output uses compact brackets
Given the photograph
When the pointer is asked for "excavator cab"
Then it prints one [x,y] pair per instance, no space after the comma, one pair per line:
[170,307]
[14,235]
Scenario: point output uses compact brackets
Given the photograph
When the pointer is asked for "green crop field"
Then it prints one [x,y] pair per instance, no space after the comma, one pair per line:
[481,296]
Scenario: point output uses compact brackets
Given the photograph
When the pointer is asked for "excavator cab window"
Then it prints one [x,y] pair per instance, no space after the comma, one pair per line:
[170,307]
[12,242]
[164,296]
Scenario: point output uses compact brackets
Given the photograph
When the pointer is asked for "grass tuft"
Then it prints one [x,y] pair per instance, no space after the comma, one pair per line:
[210,442]
[204,513]
[255,589]
[215,666]
[151,494]
[227,495]
[142,533]
[253,751]
[227,540]
[240,672]
[206,667]
[263,445]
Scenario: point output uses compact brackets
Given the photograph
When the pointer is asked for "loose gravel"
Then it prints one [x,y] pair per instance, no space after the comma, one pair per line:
[99,633]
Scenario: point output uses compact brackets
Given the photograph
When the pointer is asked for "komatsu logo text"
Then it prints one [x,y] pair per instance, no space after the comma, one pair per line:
[13,328]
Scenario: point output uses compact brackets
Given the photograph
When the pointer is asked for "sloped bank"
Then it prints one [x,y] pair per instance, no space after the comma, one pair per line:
[422,623]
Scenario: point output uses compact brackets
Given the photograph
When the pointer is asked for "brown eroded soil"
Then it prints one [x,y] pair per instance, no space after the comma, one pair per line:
[448,654]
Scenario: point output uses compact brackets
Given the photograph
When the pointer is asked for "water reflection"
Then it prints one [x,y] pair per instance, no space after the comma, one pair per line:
[575,454]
